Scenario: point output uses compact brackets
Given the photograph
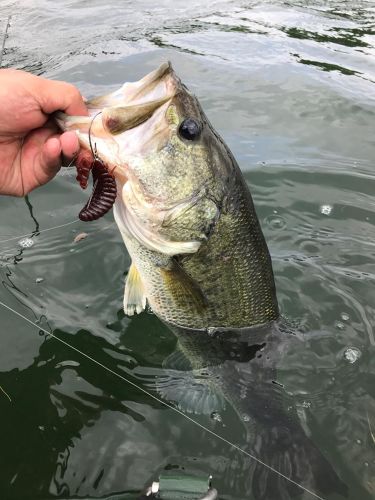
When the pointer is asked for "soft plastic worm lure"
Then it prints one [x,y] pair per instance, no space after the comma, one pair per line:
[104,186]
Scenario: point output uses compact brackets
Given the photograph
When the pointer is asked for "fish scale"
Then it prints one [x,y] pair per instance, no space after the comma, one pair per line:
[183,208]
[200,260]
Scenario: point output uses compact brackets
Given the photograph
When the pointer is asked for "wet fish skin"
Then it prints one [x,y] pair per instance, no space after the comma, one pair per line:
[199,256]
[184,210]
[238,368]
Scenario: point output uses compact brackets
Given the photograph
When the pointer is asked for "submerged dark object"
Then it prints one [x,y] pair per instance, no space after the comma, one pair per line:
[182,487]
[104,187]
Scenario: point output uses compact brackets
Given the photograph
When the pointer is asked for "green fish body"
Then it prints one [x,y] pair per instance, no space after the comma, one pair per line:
[200,260]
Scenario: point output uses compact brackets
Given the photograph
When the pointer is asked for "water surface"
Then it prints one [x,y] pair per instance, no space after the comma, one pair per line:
[290,87]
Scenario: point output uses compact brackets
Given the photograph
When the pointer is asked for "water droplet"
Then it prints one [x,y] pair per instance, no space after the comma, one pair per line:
[39,280]
[26,243]
[366,464]
[326,209]
[275,222]
[345,316]
[339,325]
[358,441]
[216,416]
[352,354]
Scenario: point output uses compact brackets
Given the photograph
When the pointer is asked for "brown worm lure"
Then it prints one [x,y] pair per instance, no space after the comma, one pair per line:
[104,190]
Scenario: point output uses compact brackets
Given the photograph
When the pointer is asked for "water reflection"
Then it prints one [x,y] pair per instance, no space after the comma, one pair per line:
[68,398]
[65,397]
[290,88]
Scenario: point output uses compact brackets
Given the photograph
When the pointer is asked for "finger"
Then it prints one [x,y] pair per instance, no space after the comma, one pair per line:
[69,144]
[50,159]
[40,158]
[62,96]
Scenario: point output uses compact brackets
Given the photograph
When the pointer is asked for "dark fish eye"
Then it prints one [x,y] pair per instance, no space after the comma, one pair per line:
[190,129]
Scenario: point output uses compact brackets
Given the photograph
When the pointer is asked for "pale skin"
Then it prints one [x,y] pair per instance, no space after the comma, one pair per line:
[31,147]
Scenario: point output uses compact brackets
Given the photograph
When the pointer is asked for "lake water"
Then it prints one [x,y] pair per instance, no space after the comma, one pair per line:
[290,87]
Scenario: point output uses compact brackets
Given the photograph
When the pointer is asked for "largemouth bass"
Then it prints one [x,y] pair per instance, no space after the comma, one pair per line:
[185,213]
[199,259]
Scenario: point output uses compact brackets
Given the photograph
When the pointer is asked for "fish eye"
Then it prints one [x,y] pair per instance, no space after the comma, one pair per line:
[190,129]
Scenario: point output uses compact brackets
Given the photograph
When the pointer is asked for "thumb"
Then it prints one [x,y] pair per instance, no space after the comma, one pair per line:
[60,96]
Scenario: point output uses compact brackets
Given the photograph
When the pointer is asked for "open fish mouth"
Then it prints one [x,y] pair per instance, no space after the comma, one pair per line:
[130,122]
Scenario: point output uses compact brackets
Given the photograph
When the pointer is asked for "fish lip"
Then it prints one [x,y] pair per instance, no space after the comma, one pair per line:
[140,92]
[156,90]
[152,78]
[148,82]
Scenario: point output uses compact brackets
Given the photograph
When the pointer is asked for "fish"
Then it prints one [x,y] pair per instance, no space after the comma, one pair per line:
[200,262]
[199,257]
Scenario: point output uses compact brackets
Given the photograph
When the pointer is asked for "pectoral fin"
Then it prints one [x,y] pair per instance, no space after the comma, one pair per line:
[134,297]
[182,287]
[191,390]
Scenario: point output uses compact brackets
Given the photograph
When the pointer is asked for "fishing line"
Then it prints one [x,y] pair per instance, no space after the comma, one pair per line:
[94,151]
[6,394]
[149,394]
[4,40]
[71,163]
[41,231]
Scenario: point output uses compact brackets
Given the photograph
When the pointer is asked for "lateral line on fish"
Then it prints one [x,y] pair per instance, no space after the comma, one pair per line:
[221,438]
[41,231]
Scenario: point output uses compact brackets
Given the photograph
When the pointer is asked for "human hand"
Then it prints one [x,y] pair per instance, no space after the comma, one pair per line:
[31,147]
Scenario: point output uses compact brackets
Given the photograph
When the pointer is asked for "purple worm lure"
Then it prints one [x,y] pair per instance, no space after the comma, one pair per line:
[104,190]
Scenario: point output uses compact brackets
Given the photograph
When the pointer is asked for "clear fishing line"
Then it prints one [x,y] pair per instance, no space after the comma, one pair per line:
[41,231]
[4,40]
[149,394]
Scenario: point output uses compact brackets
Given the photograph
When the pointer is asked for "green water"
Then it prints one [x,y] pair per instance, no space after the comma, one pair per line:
[290,87]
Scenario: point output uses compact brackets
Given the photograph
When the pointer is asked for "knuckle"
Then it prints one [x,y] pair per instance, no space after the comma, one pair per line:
[74,92]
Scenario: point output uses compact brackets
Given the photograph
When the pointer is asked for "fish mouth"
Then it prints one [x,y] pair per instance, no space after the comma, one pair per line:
[135,115]
[132,122]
